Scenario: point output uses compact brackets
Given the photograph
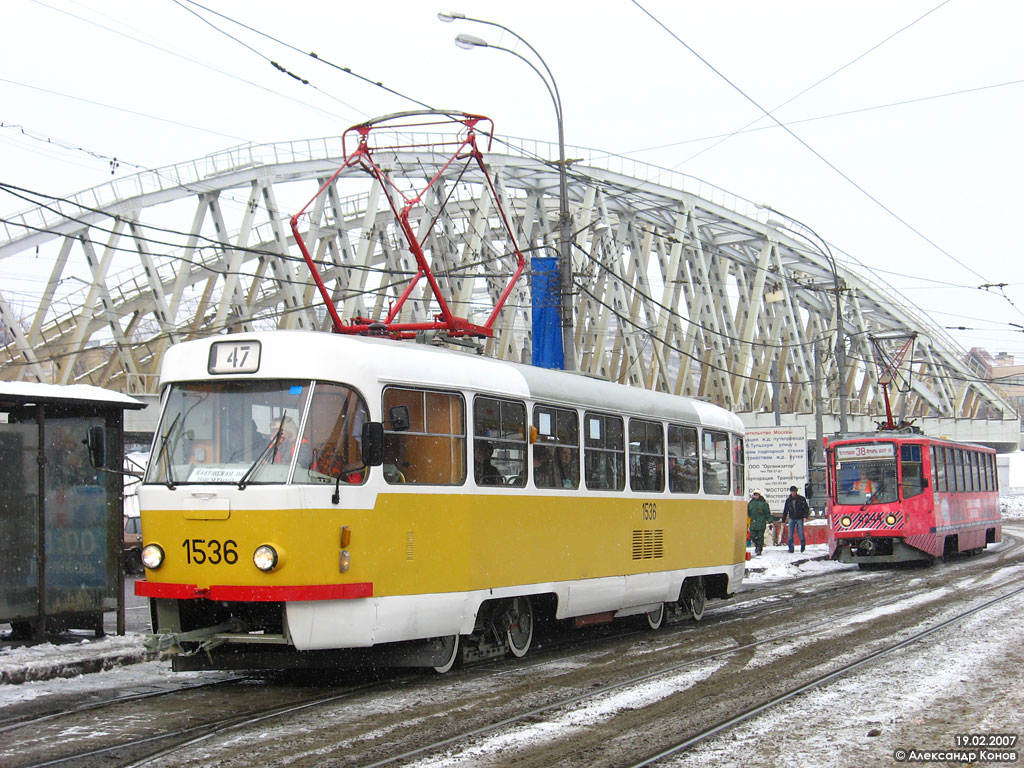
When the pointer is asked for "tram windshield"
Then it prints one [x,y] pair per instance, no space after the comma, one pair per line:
[258,432]
[865,473]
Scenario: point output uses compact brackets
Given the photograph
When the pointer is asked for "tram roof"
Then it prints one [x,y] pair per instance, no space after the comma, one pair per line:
[894,435]
[329,356]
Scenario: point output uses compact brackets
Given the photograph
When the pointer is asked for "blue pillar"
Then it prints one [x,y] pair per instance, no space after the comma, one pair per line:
[547,326]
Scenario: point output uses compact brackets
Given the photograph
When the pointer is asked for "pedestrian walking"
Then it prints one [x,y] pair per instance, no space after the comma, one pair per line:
[796,511]
[759,515]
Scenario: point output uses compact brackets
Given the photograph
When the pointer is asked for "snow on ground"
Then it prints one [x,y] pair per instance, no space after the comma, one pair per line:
[118,678]
[31,662]
[1012,507]
[907,701]
[778,563]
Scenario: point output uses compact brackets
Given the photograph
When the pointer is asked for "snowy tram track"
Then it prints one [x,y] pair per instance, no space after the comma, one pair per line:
[819,681]
[35,720]
[526,729]
[92,731]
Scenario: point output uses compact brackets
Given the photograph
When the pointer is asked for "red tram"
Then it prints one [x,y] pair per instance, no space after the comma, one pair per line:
[896,496]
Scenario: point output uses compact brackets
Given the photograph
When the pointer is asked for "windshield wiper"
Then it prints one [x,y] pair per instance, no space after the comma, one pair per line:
[162,453]
[274,438]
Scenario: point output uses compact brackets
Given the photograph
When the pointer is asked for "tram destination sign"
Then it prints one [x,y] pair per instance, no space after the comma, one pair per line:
[865,451]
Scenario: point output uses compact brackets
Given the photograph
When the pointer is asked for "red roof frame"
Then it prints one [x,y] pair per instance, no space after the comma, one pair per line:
[461,146]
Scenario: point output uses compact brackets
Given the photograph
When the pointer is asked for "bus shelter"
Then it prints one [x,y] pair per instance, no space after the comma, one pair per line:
[61,519]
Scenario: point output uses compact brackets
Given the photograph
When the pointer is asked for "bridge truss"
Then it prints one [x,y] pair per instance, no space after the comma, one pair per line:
[677,285]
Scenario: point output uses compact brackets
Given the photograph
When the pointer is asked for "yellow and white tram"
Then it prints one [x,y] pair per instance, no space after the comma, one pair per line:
[312,492]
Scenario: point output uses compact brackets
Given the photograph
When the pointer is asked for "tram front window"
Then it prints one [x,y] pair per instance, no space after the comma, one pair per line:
[866,481]
[232,432]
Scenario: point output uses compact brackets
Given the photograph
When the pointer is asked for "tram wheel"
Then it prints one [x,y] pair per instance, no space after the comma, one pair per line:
[519,623]
[695,597]
[656,617]
[451,646]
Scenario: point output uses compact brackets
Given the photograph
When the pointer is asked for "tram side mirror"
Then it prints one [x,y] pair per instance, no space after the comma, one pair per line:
[398,417]
[96,442]
[373,443]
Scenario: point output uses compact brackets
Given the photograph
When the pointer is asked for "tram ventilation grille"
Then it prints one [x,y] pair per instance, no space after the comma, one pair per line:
[648,545]
[410,546]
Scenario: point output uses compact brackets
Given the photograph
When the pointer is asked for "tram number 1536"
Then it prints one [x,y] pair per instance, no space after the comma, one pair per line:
[649,510]
[212,551]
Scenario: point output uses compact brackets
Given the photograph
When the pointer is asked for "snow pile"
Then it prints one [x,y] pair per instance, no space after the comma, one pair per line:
[777,563]
[1012,507]
[21,664]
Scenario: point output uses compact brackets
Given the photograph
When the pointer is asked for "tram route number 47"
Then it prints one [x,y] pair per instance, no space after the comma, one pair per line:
[211,551]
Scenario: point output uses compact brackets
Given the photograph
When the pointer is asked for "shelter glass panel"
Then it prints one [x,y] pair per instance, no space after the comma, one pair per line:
[83,520]
[19,517]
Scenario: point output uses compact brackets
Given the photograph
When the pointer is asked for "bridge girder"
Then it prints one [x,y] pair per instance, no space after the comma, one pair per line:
[678,286]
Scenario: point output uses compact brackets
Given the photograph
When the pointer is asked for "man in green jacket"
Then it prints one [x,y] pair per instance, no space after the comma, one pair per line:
[760,515]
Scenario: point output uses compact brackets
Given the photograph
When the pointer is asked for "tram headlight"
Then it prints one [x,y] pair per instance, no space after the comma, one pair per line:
[846,522]
[265,557]
[152,556]
[890,519]
[345,561]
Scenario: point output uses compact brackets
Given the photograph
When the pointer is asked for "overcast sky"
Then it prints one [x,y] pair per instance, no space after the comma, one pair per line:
[914,125]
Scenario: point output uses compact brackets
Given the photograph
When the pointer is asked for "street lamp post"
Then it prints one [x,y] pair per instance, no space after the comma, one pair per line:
[823,248]
[564,223]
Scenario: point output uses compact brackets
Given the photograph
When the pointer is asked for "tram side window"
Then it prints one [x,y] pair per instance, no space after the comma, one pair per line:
[499,442]
[683,462]
[556,453]
[604,454]
[715,455]
[646,456]
[979,472]
[958,463]
[433,450]
[913,479]
[951,481]
[975,480]
[737,466]
[993,477]
[938,469]
[334,430]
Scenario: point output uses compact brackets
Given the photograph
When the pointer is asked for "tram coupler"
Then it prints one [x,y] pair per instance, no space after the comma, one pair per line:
[169,644]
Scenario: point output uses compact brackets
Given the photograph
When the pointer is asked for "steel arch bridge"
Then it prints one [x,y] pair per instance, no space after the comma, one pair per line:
[677,285]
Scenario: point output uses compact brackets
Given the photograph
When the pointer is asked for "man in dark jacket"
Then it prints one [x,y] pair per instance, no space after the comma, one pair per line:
[796,511]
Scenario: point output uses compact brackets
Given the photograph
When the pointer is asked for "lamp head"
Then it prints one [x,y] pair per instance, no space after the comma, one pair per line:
[470,42]
[449,16]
